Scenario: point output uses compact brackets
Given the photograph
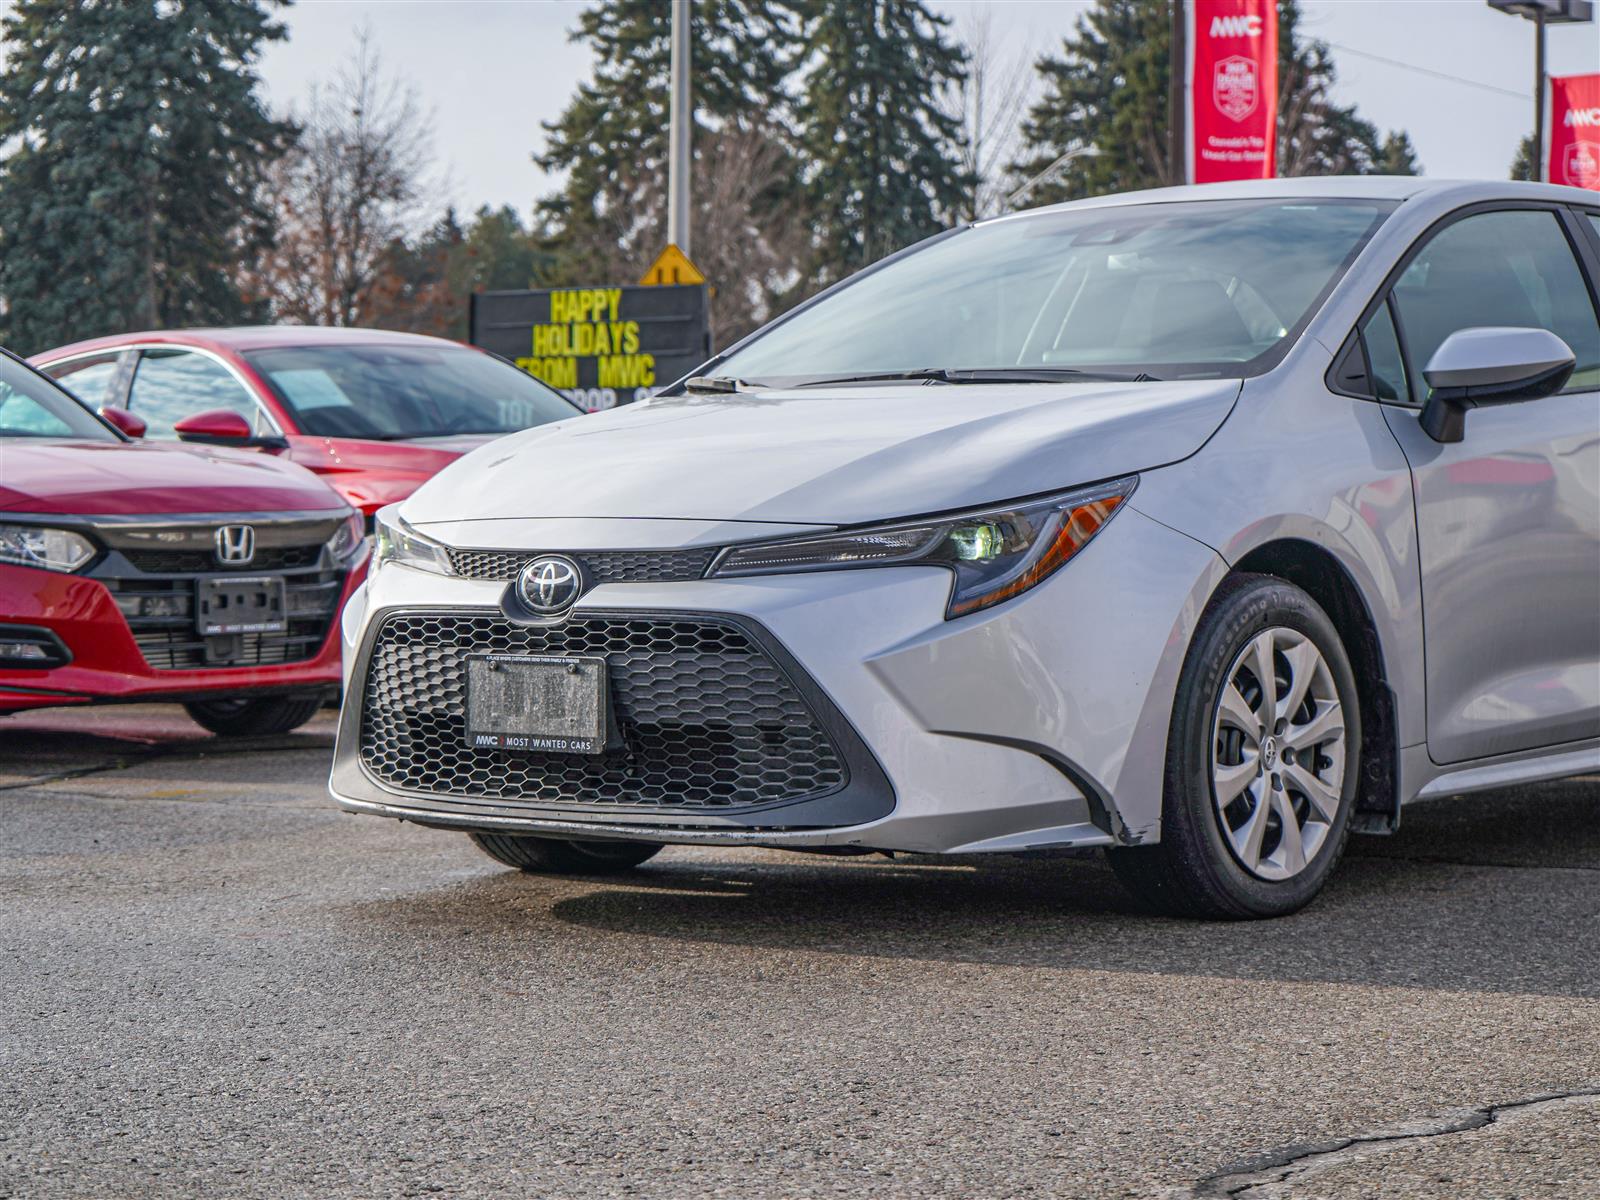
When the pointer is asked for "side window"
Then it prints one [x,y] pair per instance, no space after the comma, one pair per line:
[89,379]
[1498,268]
[21,415]
[1387,364]
[170,385]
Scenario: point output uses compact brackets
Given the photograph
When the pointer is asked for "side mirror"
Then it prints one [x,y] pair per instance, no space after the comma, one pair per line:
[124,420]
[223,427]
[1492,365]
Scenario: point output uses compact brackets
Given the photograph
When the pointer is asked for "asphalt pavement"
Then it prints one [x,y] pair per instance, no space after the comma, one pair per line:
[214,984]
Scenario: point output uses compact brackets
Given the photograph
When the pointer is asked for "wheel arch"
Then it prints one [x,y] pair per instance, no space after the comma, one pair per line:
[1320,574]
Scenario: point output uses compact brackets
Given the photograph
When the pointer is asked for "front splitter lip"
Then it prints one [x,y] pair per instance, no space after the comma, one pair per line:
[586,830]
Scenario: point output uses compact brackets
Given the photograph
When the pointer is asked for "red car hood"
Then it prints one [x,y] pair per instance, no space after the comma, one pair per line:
[113,478]
[370,474]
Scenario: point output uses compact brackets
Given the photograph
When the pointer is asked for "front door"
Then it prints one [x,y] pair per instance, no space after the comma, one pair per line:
[1508,519]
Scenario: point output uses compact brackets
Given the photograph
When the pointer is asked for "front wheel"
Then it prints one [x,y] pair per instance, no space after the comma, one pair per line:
[240,716]
[1263,759]
[548,856]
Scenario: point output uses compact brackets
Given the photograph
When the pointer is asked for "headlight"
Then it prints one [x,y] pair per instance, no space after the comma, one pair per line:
[395,541]
[347,538]
[995,553]
[38,546]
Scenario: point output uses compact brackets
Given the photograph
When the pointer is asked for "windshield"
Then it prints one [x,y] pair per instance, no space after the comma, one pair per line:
[1200,289]
[392,392]
[32,406]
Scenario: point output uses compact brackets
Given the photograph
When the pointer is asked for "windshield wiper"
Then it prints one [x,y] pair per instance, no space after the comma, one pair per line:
[980,375]
[718,385]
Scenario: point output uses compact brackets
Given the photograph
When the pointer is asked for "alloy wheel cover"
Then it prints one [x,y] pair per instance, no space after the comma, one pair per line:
[1278,754]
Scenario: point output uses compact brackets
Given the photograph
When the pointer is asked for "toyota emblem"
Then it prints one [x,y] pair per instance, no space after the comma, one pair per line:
[550,584]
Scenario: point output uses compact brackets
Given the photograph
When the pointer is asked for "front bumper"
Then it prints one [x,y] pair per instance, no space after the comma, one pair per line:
[1041,722]
[106,664]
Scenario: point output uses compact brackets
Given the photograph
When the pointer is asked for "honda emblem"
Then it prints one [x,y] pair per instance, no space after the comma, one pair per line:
[236,545]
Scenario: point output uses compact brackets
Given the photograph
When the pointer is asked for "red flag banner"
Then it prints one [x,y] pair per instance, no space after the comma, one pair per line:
[1232,91]
[1572,131]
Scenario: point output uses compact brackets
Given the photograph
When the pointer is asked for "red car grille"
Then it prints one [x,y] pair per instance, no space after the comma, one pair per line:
[160,613]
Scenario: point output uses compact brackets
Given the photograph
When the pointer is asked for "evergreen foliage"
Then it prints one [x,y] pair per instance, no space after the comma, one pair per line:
[1108,88]
[136,145]
[883,158]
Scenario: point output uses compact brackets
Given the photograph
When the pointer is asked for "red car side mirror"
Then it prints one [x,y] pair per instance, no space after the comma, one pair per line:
[224,427]
[217,426]
[124,420]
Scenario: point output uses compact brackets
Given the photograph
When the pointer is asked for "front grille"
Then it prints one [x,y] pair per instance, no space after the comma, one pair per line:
[181,562]
[170,642]
[599,566]
[705,718]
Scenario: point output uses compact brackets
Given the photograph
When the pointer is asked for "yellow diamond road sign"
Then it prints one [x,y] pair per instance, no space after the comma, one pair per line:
[672,267]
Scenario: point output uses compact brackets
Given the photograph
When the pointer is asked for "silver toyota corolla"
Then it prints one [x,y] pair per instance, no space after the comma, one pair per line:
[1205,525]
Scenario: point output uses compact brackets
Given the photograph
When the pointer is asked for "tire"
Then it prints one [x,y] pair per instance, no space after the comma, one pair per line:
[1233,860]
[245,717]
[550,856]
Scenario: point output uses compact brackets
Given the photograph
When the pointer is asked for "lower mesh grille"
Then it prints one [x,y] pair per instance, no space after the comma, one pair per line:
[601,566]
[706,719]
[170,642]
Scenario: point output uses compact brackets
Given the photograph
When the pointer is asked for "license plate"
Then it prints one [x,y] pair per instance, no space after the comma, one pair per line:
[537,703]
[243,605]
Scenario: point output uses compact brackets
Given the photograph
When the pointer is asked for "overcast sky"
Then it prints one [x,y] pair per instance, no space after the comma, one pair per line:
[493,70]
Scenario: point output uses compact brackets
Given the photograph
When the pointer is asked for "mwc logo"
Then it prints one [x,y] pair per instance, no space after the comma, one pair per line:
[1584,117]
[1234,87]
[1230,27]
[1581,166]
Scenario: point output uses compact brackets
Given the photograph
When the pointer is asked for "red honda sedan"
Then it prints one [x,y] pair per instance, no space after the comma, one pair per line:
[148,571]
[375,413]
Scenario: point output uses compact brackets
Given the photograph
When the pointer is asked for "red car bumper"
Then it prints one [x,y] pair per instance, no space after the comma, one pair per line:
[106,661]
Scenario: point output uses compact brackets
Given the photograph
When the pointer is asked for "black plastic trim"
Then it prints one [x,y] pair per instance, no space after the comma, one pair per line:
[39,636]
[1577,241]
[867,795]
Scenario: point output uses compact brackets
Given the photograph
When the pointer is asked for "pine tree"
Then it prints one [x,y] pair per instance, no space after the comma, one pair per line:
[136,144]
[883,158]
[1522,164]
[1108,88]
[1397,156]
[608,221]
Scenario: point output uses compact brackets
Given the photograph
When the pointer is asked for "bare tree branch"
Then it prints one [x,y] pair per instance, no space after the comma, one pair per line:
[360,177]
[990,104]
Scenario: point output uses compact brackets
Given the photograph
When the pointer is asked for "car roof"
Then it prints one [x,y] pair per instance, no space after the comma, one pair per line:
[252,337]
[1330,187]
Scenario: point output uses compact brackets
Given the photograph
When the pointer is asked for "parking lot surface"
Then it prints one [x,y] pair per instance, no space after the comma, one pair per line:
[216,984]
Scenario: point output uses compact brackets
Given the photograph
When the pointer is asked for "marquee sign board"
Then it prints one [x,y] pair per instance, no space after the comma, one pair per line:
[601,346]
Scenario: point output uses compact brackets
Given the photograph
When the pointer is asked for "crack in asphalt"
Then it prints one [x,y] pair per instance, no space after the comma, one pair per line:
[153,754]
[1438,860]
[1258,1176]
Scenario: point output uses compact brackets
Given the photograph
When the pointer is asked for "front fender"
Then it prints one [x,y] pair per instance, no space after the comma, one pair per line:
[1324,470]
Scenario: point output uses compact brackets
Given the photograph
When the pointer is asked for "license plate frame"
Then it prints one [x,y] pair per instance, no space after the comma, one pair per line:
[241,604]
[537,703]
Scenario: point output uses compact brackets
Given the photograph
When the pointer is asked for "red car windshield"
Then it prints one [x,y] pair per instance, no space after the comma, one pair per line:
[33,407]
[397,392]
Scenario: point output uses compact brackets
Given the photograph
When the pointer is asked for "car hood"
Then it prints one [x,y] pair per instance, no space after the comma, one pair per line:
[123,479]
[369,473]
[830,456]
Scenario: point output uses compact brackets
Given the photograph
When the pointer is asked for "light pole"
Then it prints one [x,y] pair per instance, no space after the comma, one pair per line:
[681,124]
[1542,13]
[1049,173]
